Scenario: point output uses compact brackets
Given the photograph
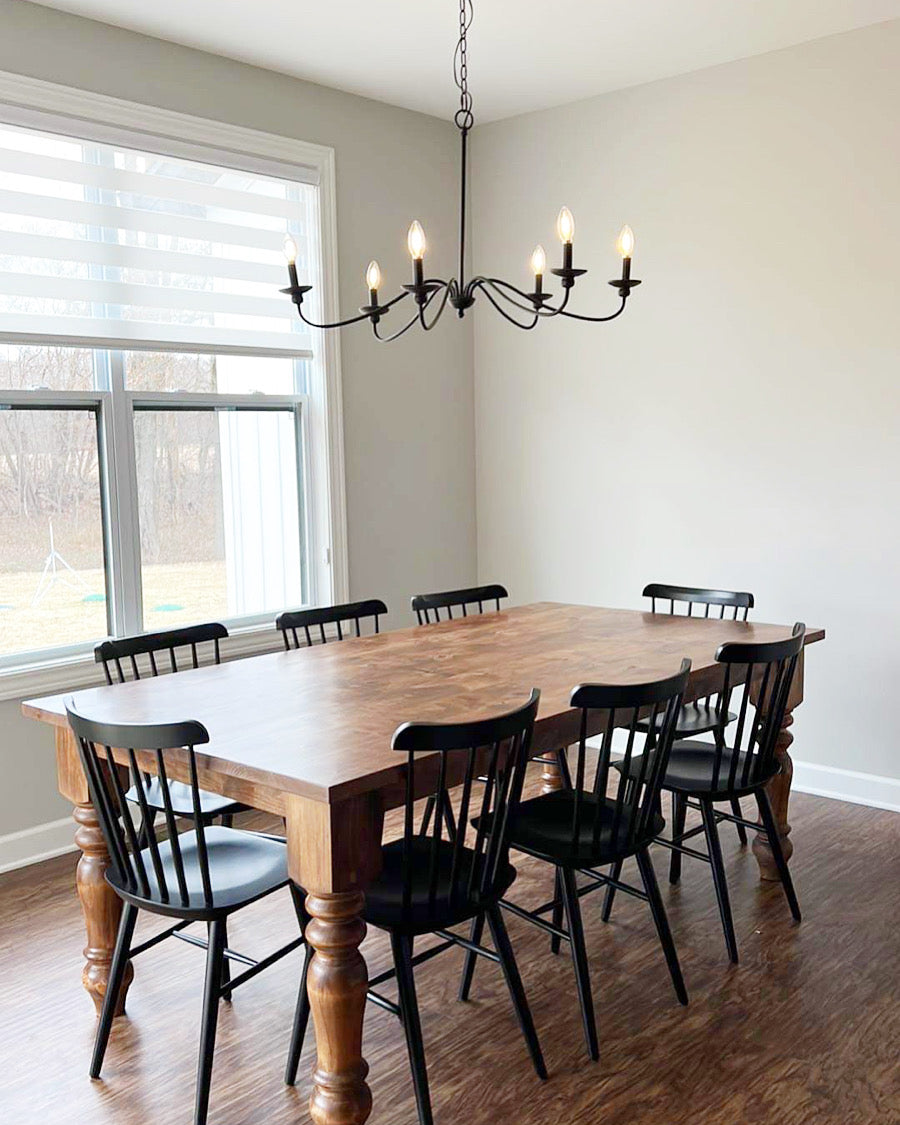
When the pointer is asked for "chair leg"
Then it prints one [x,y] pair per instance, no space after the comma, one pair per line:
[113,985]
[741,830]
[471,958]
[679,814]
[580,961]
[228,820]
[615,872]
[226,968]
[301,1021]
[718,870]
[555,942]
[402,950]
[514,983]
[661,920]
[768,819]
[210,1017]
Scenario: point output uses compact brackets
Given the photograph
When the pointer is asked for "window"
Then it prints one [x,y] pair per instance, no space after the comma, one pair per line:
[165,452]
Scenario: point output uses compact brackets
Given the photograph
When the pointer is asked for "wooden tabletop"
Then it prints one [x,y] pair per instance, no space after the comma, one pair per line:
[318,722]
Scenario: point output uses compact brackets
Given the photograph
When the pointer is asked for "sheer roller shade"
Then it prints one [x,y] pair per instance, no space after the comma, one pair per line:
[107,246]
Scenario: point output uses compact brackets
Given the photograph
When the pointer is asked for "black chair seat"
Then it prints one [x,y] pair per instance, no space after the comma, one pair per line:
[384,897]
[692,769]
[695,718]
[211,804]
[544,826]
[243,866]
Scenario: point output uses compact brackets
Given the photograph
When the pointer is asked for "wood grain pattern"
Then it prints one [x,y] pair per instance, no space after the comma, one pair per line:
[306,734]
[803,1032]
[318,722]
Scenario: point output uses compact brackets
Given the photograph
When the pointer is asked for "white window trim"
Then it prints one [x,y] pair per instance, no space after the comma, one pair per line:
[116,121]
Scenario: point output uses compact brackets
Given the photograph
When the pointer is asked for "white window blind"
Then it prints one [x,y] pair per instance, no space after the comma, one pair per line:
[107,246]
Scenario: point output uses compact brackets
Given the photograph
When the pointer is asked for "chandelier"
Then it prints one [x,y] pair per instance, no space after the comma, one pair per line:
[431,295]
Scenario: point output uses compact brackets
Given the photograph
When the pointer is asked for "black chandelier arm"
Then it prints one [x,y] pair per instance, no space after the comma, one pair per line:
[481,283]
[416,318]
[544,311]
[352,319]
[597,319]
[447,289]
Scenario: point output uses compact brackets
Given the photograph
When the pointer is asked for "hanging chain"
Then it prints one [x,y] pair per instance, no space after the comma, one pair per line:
[463,117]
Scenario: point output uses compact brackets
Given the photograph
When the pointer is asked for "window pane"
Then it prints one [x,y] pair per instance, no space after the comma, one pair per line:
[230,374]
[52,577]
[25,368]
[219,514]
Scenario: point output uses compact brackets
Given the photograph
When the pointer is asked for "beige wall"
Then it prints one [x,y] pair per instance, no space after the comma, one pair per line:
[408,407]
[738,427]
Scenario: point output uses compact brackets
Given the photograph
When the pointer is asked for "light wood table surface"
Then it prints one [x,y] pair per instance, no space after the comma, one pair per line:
[306,735]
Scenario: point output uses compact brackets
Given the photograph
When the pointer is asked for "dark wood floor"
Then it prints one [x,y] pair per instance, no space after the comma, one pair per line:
[806,1029]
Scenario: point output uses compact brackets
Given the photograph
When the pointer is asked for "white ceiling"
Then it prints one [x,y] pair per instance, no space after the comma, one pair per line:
[523,54]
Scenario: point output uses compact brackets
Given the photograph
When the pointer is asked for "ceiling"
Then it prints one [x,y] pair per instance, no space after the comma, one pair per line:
[523,54]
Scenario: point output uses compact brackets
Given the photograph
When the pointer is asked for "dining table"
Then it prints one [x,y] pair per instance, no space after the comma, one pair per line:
[306,735]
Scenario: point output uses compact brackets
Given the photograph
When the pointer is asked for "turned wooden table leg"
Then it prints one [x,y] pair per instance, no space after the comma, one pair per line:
[337,983]
[100,905]
[779,788]
[551,774]
[333,851]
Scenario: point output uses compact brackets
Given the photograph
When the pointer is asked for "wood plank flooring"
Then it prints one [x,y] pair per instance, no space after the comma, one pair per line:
[805,1030]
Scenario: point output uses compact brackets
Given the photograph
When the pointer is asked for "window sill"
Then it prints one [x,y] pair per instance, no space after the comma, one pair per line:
[52,677]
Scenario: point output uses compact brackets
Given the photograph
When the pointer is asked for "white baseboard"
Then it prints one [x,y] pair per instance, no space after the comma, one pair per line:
[31,845]
[847,785]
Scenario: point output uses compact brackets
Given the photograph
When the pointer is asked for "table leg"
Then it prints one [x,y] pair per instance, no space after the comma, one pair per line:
[551,775]
[100,905]
[333,851]
[779,788]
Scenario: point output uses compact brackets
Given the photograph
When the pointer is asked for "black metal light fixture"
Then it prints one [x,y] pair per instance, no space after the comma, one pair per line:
[459,292]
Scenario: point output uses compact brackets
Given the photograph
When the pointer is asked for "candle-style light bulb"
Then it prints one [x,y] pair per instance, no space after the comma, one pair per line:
[290,252]
[565,226]
[538,261]
[415,240]
[373,276]
[625,242]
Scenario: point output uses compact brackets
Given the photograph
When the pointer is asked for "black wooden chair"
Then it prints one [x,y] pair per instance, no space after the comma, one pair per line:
[700,716]
[428,884]
[204,875]
[700,774]
[427,607]
[580,827]
[154,654]
[307,626]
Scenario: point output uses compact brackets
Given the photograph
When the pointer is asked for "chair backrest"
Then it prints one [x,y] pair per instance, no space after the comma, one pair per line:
[426,605]
[497,747]
[736,601]
[121,656]
[625,820]
[761,676]
[311,622]
[135,854]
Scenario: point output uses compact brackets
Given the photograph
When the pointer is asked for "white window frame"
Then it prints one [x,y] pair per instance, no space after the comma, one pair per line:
[44,105]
